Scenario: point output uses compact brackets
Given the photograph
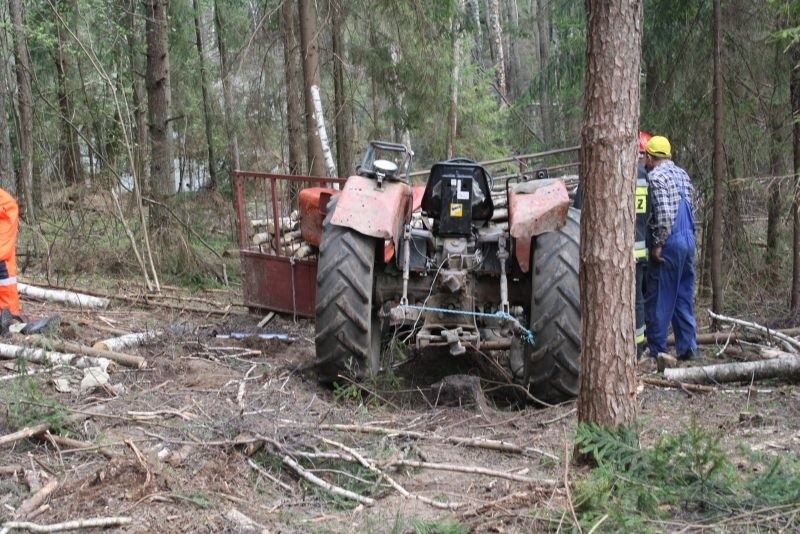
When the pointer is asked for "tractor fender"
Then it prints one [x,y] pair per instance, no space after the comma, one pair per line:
[379,213]
[535,207]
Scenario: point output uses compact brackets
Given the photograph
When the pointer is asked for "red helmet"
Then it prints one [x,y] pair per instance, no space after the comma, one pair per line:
[644,138]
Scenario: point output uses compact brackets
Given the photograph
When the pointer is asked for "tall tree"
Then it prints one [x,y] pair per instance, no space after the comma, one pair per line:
[292,77]
[718,165]
[159,99]
[69,150]
[543,34]
[207,117]
[499,52]
[455,75]
[138,96]
[608,169]
[309,49]
[227,91]
[342,108]
[794,90]
[25,187]
[8,179]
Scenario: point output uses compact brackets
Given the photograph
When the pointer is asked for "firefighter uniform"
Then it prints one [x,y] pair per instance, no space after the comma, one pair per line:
[640,253]
[9,226]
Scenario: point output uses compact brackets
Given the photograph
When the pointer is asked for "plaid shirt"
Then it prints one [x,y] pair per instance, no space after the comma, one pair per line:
[666,180]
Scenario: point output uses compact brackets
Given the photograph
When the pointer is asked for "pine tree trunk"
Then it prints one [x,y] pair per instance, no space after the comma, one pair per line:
[499,52]
[159,104]
[794,90]
[207,119]
[8,179]
[455,75]
[309,50]
[342,108]
[475,15]
[543,31]
[718,168]
[70,149]
[25,187]
[133,36]
[293,120]
[608,159]
[774,201]
[227,92]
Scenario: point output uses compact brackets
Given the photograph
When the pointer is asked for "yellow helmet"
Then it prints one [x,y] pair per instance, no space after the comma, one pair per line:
[659,147]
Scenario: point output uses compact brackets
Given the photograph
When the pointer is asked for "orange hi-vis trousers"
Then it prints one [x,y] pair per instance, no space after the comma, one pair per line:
[9,227]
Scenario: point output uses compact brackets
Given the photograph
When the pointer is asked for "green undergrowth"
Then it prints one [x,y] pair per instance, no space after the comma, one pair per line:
[687,477]
[26,405]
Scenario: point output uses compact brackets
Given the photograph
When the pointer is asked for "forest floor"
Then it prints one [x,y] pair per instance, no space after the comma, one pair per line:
[202,439]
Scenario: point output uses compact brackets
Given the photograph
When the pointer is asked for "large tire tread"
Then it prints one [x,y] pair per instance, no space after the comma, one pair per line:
[553,363]
[345,278]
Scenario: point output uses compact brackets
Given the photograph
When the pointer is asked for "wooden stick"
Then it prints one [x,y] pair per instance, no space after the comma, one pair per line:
[400,489]
[13,352]
[660,382]
[127,360]
[98,522]
[128,340]
[792,343]
[10,469]
[330,488]
[24,433]
[59,295]
[34,501]
[477,470]
[734,372]
[264,472]
[75,444]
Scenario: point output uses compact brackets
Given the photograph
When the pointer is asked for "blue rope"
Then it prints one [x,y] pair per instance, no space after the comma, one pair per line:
[527,334]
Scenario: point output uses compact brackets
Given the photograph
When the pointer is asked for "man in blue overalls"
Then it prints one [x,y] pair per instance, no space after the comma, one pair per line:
[670,272]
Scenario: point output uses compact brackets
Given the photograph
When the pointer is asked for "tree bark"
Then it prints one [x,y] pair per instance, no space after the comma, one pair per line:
[133,36]
[8,178]
[543,31]
[342,108]
[159,100]
[783,367]
[718,166]
[499,52]
[25,188]
[775,200]
[207,119]
[308,47]
[607,394]
[227,92]
[455,76]
[291,73]
[475,15]
[794,90]
[70,152]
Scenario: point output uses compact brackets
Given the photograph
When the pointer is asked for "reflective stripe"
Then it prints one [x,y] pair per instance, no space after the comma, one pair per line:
[640,250]
[640,335]
[8,281]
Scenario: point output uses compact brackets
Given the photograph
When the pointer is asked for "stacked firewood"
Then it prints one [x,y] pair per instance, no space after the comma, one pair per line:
[283,235]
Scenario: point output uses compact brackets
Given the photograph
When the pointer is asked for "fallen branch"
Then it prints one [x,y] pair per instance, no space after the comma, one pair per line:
[400,489]
[127,360]
[128,340]
[785,366]
[330,488]
[60,295]
[77,524]
[12,469]
[13,352]
[24,433]
[34,501]
[62,441]
[477,470]
[274,479]
[660,382]
[792,344]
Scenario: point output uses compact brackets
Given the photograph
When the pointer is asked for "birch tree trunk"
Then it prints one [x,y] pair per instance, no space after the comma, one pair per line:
[227,92]
[330,166]
[25,189]
[308,47]
[212,160]
[607,394]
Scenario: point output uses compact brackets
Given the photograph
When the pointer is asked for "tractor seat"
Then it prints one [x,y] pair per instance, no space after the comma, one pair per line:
[457,180]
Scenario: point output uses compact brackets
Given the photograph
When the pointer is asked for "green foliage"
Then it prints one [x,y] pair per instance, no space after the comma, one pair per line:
[688,474]
[438,527]
[28,405]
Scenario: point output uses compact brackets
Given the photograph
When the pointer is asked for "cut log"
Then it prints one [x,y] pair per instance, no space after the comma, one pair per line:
[59,295]
[500,214]
[291,237]
[261,237]
[791,344]
[12,352]
[127,360]
[783,367]
[128,340]
[304,251]
[24,433]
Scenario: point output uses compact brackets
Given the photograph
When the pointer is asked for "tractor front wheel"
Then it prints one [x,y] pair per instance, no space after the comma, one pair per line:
[552,364]
[348,329]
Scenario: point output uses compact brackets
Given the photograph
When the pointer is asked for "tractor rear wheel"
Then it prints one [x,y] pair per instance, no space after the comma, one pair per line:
[348,329]
[552,364]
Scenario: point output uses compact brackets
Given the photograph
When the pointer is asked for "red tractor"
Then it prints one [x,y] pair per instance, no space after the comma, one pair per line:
[431,262]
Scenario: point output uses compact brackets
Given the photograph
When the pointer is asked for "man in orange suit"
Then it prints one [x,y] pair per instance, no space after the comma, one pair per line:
[9,226]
